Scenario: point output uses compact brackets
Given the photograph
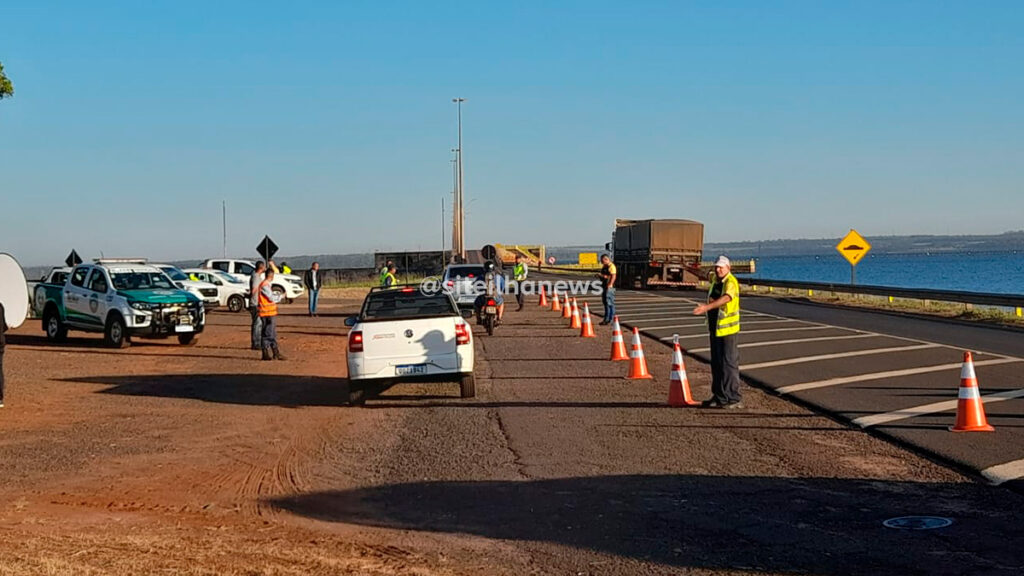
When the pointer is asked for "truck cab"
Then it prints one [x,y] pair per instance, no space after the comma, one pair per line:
[121,299]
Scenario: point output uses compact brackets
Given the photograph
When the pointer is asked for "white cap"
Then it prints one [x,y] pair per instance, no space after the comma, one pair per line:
[723,262]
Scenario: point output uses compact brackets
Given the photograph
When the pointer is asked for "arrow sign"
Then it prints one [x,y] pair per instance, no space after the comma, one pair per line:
[266,248]
[73,259]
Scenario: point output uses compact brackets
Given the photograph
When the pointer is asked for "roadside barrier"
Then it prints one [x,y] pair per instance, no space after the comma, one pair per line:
[567,308]
[638,363]
[618,344]
[574,320]
[679,384]
[970,412]
[587,329]
[543,298]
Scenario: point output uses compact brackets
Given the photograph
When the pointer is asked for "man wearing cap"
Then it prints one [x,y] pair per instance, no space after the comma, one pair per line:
[723,311]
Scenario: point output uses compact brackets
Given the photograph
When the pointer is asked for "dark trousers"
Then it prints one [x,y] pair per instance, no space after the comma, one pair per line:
[1,375]
[270,332]
[725,368]
[257,328]
[314,299]
[519,297]
[608,299]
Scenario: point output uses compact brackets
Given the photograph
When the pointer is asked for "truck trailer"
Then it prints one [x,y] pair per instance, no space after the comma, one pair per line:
[653,253]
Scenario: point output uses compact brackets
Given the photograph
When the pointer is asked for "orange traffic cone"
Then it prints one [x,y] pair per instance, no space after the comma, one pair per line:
[587,329]
[679,385]
[567,308]
[638,364]
[556,306]
[543,298]
[970,413]
[574,320]
[618,344]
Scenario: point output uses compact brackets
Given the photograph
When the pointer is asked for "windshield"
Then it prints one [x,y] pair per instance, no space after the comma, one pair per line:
[396,304]
[174,273]
[141,281]
[227,277]
[465,272]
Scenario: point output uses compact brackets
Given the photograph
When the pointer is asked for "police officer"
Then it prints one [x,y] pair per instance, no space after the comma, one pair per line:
[723,311]
[267,310]
[389,278]
[384,271]
[520,271]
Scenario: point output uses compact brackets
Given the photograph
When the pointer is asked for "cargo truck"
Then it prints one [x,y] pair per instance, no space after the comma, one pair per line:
[653,253]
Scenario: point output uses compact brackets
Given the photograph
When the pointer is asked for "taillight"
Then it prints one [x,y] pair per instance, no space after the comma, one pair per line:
[461,334]
[491,302]
[355,341]
[408,289]
[451,283]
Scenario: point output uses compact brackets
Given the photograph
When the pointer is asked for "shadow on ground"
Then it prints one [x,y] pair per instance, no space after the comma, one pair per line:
[817,525]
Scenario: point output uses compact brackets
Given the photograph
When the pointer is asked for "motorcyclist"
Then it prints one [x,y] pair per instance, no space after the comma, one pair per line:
[494,287]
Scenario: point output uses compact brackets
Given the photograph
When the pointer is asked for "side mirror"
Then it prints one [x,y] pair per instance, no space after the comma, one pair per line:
[467,313]
[351,321]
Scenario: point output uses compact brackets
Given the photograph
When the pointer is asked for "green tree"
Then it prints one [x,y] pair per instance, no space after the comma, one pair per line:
[6,88]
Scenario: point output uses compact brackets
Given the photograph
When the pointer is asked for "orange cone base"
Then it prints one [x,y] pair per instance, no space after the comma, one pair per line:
[982,428]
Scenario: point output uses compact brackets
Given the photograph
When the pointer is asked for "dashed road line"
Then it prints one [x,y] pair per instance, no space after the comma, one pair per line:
[705,335]
[837,355]
[883,375]
[924,410]
[795,341]
[702,323]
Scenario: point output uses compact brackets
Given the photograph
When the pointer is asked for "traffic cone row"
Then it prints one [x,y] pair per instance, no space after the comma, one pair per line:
[555,305]
[587,328]
[618,344]
[543,299]
[970,412]
[678,385]
[567,308]
[574,319]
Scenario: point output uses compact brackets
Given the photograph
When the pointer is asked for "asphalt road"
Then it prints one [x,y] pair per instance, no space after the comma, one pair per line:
[894,375]
[561,466]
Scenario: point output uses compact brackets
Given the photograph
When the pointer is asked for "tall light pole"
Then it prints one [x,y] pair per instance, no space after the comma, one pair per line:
[458,230]
[455,204]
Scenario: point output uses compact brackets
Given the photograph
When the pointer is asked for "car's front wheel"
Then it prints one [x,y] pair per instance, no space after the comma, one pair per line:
[467,386]
[236,303]
[116,333]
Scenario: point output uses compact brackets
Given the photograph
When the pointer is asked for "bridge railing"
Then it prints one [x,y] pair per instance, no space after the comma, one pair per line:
[1015,301]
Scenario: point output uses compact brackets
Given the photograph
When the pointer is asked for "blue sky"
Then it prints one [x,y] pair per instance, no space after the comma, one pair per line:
[328,125]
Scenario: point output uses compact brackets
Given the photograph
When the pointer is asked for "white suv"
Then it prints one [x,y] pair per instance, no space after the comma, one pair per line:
[205,291]
[232,292]
[288,285]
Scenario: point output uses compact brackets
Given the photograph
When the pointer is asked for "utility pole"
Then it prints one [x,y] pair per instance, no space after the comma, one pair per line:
[459,247]
[455,204]
[224,225]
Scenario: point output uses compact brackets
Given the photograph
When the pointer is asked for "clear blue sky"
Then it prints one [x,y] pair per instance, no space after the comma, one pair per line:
[328,125]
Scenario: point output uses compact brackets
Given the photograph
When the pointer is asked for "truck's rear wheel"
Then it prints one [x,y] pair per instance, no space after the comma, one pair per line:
[467,385]
[236,303]
[54,328]
[187,339]
[116,334]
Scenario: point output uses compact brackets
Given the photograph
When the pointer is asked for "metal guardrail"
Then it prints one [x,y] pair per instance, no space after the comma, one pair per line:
[979,298]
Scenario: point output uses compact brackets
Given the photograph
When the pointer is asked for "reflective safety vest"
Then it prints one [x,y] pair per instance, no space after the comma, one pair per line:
[383,274]
[519,271]
[286,269]
[728,315]
[387,277]
[267,307]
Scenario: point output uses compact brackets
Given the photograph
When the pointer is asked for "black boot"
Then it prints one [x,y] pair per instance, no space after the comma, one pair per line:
[267,354]
[278,355]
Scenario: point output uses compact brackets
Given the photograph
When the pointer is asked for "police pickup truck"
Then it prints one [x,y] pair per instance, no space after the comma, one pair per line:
[119,298]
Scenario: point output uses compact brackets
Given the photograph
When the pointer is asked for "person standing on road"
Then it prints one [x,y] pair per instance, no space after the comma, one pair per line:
[254,303]
[267,310]
[3,344]
[723,311]
[520,271]
[390,279]
[312,282]
[608,275]
[384,271]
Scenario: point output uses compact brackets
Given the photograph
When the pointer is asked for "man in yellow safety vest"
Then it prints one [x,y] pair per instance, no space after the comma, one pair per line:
[723,311]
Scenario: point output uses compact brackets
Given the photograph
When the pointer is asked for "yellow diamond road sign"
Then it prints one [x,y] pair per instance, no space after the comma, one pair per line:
[853,247]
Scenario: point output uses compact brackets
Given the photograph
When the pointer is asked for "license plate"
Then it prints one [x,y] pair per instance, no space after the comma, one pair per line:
[410,369]
[491,309]
[183,328]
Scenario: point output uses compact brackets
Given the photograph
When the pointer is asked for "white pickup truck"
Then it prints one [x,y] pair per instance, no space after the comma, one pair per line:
[289,286]
[232,292]
[403,333]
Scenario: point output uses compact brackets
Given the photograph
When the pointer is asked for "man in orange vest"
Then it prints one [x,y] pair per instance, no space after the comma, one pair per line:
[267,309]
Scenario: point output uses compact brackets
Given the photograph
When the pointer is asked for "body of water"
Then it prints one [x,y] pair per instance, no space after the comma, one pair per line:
[997,272]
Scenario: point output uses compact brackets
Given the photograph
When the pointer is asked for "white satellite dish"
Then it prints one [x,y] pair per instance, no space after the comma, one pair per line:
[13,291]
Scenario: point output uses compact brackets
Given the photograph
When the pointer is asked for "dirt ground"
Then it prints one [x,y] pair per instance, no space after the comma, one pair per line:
[160,459]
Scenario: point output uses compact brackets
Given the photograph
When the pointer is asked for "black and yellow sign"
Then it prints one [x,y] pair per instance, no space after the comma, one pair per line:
[853,247]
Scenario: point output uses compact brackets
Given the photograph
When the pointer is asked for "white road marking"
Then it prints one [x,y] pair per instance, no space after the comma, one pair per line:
[882,375]
[896,415]
[704,335]
[851,354]
[793,341]
[1004,472]
[630,322]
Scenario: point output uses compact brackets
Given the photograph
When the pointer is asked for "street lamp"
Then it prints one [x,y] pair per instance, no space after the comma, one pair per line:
[458,230]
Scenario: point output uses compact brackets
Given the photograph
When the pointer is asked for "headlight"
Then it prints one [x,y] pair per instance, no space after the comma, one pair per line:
[296,282]
[141,305]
